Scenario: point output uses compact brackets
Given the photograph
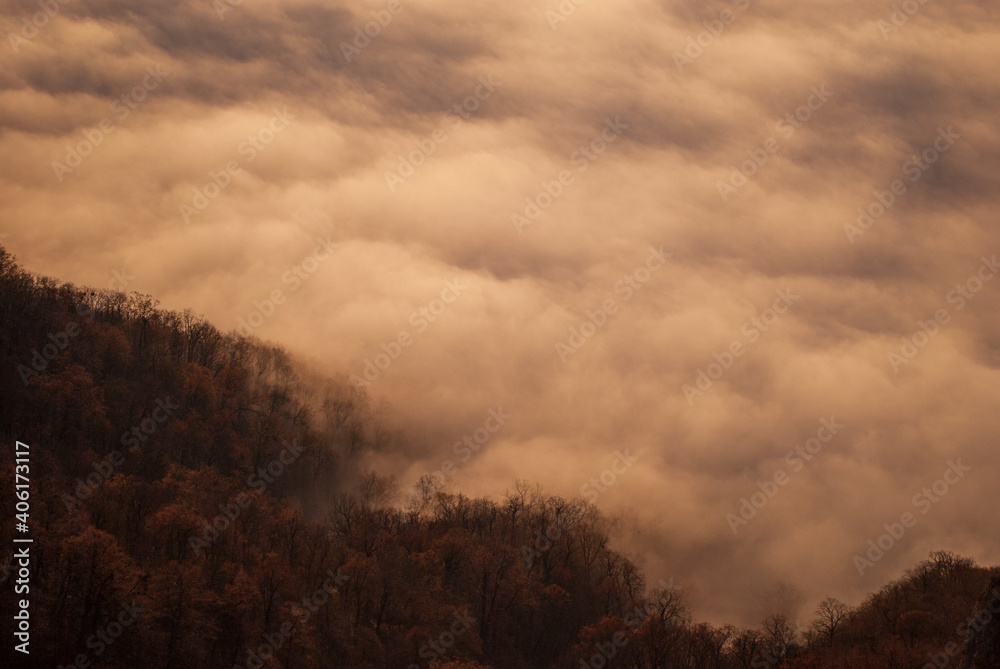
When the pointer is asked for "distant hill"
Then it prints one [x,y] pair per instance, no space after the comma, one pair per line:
[198,500]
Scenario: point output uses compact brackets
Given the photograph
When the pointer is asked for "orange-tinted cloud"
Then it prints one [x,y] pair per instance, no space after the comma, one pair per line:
[701,92]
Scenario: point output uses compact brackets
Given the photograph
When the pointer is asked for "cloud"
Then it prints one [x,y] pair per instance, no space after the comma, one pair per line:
[657,184]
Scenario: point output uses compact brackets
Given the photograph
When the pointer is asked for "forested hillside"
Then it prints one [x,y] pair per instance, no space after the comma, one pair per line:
[197,502]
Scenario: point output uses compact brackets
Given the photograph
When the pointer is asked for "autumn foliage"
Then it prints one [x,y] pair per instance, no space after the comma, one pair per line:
[198,502]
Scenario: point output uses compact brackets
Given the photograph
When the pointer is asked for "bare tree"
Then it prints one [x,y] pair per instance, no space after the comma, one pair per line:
[745,647]
[376,491]
[830,616]
[779,638]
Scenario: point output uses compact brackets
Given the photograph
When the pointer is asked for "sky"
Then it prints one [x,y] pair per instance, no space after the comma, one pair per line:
[723,268]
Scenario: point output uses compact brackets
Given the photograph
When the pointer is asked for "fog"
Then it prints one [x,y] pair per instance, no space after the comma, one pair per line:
[689,236]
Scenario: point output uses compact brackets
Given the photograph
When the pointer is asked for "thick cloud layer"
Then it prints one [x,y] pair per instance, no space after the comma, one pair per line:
[632,226]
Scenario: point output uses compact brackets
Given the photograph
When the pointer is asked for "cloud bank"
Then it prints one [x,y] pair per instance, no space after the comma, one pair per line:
[700,233]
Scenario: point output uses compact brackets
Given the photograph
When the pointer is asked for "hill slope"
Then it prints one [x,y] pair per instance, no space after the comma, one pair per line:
[195,504]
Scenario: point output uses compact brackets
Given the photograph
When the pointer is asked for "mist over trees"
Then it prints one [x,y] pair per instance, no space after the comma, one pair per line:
[198,502]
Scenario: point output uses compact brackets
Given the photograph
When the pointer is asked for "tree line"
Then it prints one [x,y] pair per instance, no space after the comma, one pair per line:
[199,500]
